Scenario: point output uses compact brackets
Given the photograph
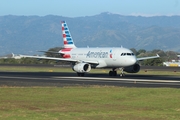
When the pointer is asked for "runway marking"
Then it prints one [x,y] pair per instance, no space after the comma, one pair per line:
[95,79]
[102,80]
[135,81]
[21,77]
[121,79]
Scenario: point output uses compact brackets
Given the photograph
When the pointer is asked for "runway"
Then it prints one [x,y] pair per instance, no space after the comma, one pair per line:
[33,79]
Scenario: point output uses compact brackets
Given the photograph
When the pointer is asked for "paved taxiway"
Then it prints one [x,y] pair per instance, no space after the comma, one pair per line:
[71,79]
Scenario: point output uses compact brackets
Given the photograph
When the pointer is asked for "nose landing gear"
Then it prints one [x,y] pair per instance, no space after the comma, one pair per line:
[122,74]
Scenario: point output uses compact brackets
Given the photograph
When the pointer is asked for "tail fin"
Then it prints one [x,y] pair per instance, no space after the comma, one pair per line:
[68,41]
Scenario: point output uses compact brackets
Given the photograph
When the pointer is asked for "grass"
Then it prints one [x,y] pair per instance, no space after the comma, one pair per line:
[152,72]
[93,102]
[79,103]
[33,69]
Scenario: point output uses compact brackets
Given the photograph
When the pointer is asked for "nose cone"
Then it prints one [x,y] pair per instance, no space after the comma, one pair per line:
[133,60]
[128,61]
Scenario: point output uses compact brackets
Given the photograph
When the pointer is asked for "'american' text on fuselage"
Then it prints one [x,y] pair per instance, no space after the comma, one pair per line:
[97,54]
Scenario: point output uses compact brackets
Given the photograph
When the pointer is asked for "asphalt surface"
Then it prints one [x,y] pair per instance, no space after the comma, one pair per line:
[32,79]
[155,68]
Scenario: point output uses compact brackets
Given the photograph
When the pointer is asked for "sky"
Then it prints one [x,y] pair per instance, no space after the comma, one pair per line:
[79,8]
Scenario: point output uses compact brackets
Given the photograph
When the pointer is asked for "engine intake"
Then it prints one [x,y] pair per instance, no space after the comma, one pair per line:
[82,67]
[132,69]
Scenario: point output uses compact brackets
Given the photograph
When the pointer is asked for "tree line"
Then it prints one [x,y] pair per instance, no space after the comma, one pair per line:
[53,52]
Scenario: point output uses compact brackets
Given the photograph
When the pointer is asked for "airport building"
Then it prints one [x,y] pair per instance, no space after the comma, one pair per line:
[173,63]
[11,56]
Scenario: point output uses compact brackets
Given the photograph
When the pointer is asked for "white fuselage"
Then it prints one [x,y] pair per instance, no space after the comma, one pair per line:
[106,57]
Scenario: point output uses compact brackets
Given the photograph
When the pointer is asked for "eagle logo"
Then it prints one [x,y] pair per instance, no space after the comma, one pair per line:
[110,54]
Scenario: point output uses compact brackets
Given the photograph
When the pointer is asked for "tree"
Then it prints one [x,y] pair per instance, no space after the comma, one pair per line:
[153,62]
[134,51]
[141,51]
[171,55]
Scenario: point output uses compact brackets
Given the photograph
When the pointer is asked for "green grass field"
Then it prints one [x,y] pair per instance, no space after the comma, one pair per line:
[88,103]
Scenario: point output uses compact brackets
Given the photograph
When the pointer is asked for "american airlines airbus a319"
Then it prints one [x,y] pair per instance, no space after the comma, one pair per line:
[83,59]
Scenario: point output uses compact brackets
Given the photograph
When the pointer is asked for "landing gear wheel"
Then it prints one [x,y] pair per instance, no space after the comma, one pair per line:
[112,73]
[122,75]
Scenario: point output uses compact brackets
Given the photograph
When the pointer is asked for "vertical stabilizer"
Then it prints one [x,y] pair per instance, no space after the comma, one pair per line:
[68,41]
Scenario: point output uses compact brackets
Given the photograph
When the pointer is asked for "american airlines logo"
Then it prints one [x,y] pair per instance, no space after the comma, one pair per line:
[97,54]
[110,54]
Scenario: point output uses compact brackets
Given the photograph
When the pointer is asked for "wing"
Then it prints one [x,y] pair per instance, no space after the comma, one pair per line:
[145,58]
[60,59]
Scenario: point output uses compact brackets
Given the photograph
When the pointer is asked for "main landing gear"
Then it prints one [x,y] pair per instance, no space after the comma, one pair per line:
[113,72]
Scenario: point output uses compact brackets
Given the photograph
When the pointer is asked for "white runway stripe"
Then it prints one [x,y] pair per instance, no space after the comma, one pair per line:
[121,79]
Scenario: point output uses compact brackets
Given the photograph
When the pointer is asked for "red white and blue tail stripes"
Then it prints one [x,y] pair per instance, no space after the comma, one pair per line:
[68,41]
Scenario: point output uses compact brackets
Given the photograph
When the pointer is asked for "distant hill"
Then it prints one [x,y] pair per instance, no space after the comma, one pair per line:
[28,34]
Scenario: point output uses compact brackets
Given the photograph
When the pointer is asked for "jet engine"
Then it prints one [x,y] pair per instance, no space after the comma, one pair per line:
[82,67]
[132,69]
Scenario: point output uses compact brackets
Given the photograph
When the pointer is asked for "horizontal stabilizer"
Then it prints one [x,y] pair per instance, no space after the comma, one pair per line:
[50,52]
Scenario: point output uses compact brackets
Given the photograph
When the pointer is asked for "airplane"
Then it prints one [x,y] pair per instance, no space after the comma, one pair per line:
[83,59]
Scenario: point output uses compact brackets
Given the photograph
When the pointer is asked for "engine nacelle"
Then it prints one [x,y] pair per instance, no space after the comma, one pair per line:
[82,67]
[132,69]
